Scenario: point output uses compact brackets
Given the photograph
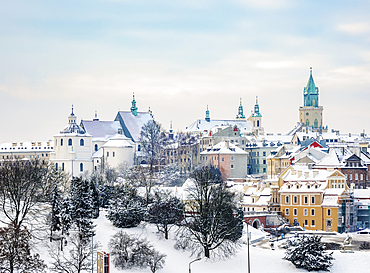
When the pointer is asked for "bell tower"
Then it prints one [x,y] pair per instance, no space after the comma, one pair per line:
[311,114]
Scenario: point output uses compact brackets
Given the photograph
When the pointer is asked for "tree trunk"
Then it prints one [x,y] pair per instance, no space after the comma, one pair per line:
[206,251]
[166,232]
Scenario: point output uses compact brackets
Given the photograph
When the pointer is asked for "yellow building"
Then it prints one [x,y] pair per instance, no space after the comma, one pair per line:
[311,198]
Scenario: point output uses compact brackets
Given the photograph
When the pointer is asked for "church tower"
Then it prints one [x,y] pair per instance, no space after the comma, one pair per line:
[256,119]
[240,114]
[208,119]
[311,114]
[133,106]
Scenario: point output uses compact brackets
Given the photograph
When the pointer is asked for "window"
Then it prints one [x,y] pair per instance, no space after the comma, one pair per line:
[82,142]
[312,223]
[81,167]
[356,176]
[264,153]
[312,212]
[328,212]
[287,199]
[61,142]
[56,166]
[222,159]
[232,158]
[107,154]
[305,212]
[350,176]
[70,142]
[361,177]
[305,199]
[312,199]
[264,161]
[286,211]
[295,212]
[232,166]
[63,166]
[295,199]
[96,147]
[306,222]
[138,148]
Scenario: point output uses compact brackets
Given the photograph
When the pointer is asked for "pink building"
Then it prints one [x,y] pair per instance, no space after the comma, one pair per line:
[228,158]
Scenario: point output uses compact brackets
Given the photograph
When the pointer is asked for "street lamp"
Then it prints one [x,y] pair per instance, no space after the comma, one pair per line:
[197,259]
[249,267]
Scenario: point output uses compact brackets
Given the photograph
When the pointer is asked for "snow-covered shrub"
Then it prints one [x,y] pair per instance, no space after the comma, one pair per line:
[126,215]
[128,251]
[309,253]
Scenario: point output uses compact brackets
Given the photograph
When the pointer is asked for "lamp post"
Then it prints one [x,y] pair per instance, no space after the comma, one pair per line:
[198,259]
[249,267]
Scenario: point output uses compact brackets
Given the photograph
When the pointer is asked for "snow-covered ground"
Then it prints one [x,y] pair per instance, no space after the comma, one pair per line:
[263,259]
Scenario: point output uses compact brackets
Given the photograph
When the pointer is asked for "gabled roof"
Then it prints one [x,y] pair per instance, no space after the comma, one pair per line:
[118,141]
[201,125]
[329,161]
[132,124]
[221,148]
[101,129]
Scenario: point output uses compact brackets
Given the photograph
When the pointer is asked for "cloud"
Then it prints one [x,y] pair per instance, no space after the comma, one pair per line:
[265,4]
[355,28]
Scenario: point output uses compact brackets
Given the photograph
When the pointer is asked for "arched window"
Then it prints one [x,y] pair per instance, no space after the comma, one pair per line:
[56,166]
[81,167]
[316,123]
[138,148]
[61,142]
[82,142]
[96,147]
[258,123]
[70,142]
[307,122]
[63,166]
[313,102]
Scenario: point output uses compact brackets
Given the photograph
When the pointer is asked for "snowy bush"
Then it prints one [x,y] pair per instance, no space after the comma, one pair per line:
[309,253]
[128,251]
[126,215]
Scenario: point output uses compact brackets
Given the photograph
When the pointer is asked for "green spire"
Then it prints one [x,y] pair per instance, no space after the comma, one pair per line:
[240,114]
[133,107]
[256,109]
[207,115]
[311,92]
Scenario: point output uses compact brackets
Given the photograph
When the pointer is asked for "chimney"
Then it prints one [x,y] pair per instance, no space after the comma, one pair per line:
[299,173]
[227,144]
[306,174]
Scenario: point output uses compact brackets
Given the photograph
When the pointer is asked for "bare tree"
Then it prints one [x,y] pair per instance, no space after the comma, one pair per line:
[15,252]
[23,185]
[211,224]
[77,259]
[151,139]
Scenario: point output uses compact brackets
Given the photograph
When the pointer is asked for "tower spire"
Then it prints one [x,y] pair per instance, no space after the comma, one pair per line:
[240,114]
[133,105]
[207,115]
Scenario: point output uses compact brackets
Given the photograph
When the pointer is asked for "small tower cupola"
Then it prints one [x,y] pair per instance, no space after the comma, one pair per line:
[208,119]
[72,117]
[240,114]
[171,131]
[256,112]
[96,116]
[133,105]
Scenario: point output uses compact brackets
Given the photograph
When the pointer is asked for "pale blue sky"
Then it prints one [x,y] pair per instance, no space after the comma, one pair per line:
[178,57]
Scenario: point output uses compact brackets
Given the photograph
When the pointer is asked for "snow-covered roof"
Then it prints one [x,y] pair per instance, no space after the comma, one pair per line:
[201,125]
[132,124]
[118,141]
[361,193]
[29,146]
[101,130]
[330,201]
[223,148]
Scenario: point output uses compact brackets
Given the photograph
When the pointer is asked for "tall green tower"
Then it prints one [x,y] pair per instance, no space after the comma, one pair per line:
[311,114]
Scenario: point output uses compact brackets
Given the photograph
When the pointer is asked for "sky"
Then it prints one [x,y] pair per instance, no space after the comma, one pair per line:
[178,57]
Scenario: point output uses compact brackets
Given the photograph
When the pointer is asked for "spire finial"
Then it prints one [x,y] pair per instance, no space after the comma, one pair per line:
[311,70]
[96,114]
[133,105]
[240,101]
[72,110]
[256,99]
[207,115]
